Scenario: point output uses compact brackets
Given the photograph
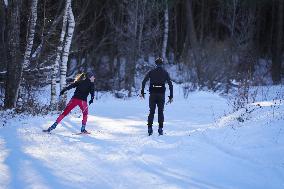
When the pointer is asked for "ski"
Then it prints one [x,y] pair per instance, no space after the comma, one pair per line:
[46,131]
[82,133]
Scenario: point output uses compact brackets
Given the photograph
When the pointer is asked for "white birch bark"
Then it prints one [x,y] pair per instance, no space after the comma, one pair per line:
[166,32]
[55,66]
[31,34]
[66,50]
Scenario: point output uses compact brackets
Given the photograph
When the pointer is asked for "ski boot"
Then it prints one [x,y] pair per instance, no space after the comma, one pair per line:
[83,130]
[53,126]
[150,130]
[160,131]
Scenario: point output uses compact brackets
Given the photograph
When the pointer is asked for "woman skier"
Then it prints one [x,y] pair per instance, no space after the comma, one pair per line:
[84,85]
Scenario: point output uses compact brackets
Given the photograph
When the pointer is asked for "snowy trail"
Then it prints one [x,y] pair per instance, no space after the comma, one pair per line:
[195,151]
[4,174]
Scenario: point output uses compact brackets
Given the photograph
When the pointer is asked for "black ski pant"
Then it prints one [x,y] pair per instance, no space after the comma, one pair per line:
[156,99]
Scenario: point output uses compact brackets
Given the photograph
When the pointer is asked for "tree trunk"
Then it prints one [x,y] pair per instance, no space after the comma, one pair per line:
[202,20]
[259,23]
[272,27]
[3,40]
[65,53]
[31,34]
[233,23]
[14,68]
[191,33]
[175,24]
[277,53]
[166,32]
[141,24]
[55,66]
[132,55]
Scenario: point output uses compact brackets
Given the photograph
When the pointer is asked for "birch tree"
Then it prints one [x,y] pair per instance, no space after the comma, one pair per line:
[31,33]
[66,50]
[55,66]
[166,31]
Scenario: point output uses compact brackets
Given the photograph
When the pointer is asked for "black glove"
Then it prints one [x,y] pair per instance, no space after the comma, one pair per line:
[142,94]
[170,99]
[91,101]
[62,92]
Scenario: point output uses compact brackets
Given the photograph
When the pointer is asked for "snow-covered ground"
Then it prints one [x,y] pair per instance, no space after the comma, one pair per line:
[201,148]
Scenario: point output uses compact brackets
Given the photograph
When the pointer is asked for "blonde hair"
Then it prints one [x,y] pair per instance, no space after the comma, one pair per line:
[79,77]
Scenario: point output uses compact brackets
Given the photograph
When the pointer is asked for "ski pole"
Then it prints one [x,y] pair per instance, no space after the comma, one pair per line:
[85,109]
[169,101]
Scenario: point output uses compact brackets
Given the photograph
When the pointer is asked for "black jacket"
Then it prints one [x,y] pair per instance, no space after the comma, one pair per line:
[158,77]
[83,88]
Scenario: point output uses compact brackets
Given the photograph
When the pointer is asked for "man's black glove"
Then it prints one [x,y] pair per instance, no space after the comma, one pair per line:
[170,100]
[142,94]
[91,101]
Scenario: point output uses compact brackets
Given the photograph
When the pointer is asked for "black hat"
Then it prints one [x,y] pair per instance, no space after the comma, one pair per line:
[90,74]
[159,61]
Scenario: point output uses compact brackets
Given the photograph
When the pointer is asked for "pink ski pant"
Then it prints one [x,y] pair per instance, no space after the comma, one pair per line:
[71,105]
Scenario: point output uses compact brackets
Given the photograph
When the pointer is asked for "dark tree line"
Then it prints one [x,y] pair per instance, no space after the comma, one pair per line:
[212,41]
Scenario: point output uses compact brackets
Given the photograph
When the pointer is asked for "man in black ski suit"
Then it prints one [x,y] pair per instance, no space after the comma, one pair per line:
[158,77]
